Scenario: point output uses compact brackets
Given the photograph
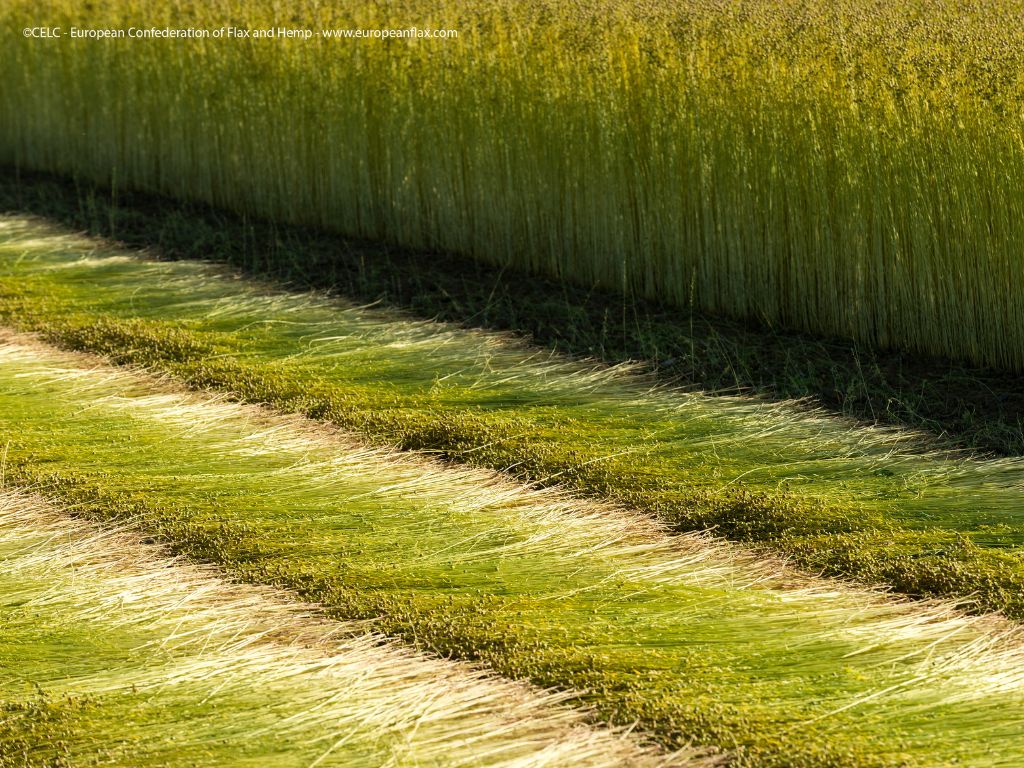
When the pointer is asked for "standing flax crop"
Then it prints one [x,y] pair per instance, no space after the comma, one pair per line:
[848,168]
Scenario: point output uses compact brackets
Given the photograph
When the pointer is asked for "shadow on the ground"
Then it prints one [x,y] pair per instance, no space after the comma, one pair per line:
[968,407]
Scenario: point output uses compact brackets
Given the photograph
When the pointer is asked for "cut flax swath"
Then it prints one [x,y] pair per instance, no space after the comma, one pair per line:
[688,637]
[121,654]
[851,168]
[875,504]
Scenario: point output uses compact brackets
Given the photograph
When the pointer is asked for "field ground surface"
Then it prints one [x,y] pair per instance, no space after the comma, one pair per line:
[971,408]
[692,639]
[115,653]
[864,502]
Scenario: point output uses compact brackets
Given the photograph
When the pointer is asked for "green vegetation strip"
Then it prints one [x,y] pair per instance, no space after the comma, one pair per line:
[971,407]
[112,653]
[690,639]
[860,502]
[850,168]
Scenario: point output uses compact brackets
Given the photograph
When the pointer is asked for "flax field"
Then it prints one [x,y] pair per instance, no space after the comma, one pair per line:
[482,399]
